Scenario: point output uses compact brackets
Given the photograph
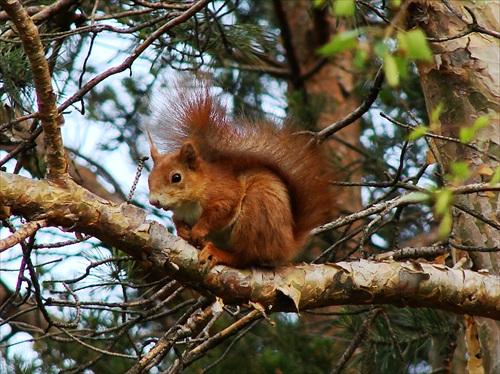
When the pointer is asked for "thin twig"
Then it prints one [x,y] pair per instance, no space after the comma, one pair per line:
[440,137]
[411,252]
[363,329]
[127,63]
[22,233]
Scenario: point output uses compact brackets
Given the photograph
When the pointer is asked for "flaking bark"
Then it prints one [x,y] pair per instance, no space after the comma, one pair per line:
[288,288]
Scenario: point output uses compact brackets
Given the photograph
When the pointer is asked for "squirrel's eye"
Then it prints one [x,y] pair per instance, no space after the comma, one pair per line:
[176,178]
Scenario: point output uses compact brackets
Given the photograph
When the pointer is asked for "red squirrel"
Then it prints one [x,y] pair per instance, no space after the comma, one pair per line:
[248,194]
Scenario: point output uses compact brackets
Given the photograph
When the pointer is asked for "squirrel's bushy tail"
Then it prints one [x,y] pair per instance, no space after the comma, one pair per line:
[191,112]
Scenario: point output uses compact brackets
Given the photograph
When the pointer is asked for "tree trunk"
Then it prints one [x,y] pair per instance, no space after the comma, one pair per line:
[464,79]
[327,86]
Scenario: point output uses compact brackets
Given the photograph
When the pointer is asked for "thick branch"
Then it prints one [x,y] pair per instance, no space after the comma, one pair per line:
[281,289]
[46,98]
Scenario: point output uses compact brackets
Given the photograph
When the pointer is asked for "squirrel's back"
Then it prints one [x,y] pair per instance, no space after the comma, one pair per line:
[190,112]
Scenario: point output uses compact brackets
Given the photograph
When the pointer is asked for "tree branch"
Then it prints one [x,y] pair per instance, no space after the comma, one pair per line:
[358,112]
[24,232]
[288,288]
[46,98]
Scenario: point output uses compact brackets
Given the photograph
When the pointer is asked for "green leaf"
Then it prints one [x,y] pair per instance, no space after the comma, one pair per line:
[381,49]
[466,134]
[391,70]
[418,132]
[444,200]
[402,63]
[396,3]
[402,38]
[436,113]
[481,122]
[417,46]
[344,8]
[318,3]
[445,225]
[496,176]
[360,57]
[341,42]
[414,197]
[459,171]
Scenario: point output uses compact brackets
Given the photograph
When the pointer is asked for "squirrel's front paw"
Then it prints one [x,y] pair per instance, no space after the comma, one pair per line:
[184,231]
[198,237]
[207,255]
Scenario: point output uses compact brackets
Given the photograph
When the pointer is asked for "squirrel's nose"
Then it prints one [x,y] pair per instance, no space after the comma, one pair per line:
[153,200]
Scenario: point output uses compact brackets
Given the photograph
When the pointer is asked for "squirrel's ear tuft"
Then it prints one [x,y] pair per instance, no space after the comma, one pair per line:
[154,152]
[189,155]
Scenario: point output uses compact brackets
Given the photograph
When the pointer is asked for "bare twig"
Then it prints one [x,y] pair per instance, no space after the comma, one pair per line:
[127,63]
[356,341]
[472,26]
[440,137]
[218,338]
[136,179]
[193,319]
[377,208]
[473,249]
[22,233]
[231,345]
[411,252]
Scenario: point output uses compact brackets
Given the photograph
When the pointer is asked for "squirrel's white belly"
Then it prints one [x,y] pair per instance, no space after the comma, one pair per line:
[189,212]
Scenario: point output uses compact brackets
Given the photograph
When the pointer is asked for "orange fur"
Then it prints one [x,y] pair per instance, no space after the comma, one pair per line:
[248,194]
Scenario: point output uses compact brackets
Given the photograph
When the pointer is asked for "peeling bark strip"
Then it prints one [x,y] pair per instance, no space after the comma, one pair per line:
[46,98]
[272,290]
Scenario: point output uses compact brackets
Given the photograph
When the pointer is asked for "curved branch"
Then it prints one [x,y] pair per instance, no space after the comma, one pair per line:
[272,290]
[46,98]
[358,112]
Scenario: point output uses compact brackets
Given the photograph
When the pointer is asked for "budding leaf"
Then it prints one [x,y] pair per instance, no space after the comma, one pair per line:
[481,122]
[459,171]
[417,46]
[341,42]
[496,176]
[414,197]
[466,134]
[434,117]
[391,70]
[437,112]
[445,225]
[344,8]
[444,199]
[418,132]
